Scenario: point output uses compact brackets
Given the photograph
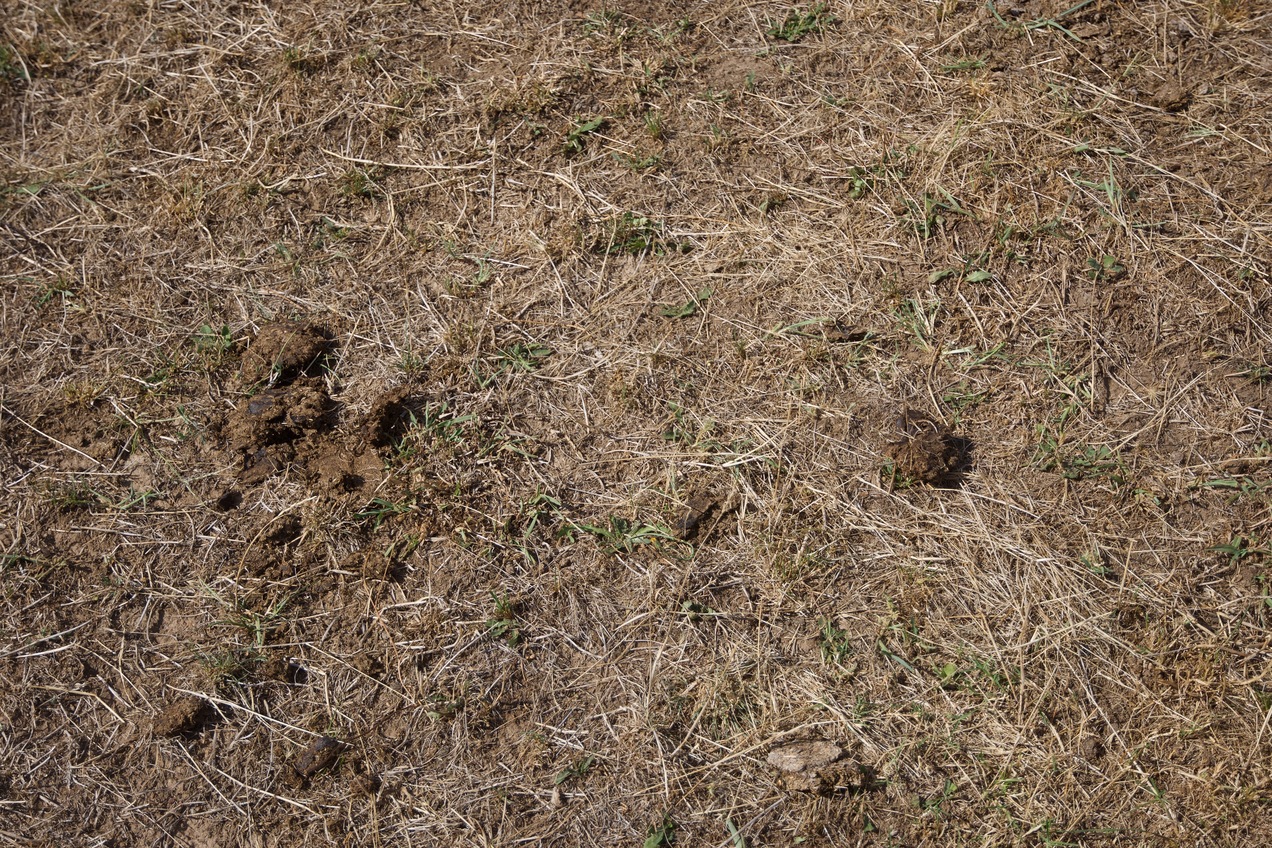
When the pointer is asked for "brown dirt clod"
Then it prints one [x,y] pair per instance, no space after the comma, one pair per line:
[283,351]
[696,511]
[926,451]
[321,754]
[810,766]
[187,714]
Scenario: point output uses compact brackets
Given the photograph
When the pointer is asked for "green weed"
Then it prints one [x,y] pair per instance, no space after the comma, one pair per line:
[574,770]
[1239,548]
[402,547]
[60,288]
[503,623]
[861,182]
[1092,461]
[654,125]
[522,356]
[69,496]
[1106,267]
[695,610]
[1241,485]
[213,342]
[231,664]
[963,397]
[135,498]
[801,22]
[437,422]
[12,68]
[633,163]
[660,835]
[835,643]
[606,21]
[689,307]
[1257,373]
[929,214]
[1041,23]
[963,65]
[624,535]
[411,364]
[577,135]
[936,805]
[259,627]
[294,58]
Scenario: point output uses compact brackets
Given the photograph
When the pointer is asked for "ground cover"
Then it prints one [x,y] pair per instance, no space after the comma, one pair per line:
[647,423]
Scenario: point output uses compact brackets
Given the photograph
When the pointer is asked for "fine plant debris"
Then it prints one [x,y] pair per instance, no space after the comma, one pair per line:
[785,423]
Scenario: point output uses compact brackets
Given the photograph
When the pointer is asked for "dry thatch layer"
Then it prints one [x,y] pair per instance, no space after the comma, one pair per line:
[549,423]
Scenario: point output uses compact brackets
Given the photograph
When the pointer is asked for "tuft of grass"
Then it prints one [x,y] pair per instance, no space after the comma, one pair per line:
[362,183]
[835,643]
[633,234]
[918,319]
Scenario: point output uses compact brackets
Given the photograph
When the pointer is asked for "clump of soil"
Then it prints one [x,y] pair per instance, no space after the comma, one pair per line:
[321,754]
[264,426]
[1171,96]
[926,451]
[699,508]
[283,351]
[186,715]
[814,766]
[285,670]
[367,664]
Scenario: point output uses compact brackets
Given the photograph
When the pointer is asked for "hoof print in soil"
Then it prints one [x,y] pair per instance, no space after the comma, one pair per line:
[390,417]
[926,451]
[284,532]
[321,754]
[185,716]
[366,784]
[283,351]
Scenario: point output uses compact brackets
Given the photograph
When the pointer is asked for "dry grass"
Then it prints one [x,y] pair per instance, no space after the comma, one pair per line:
[454,548]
